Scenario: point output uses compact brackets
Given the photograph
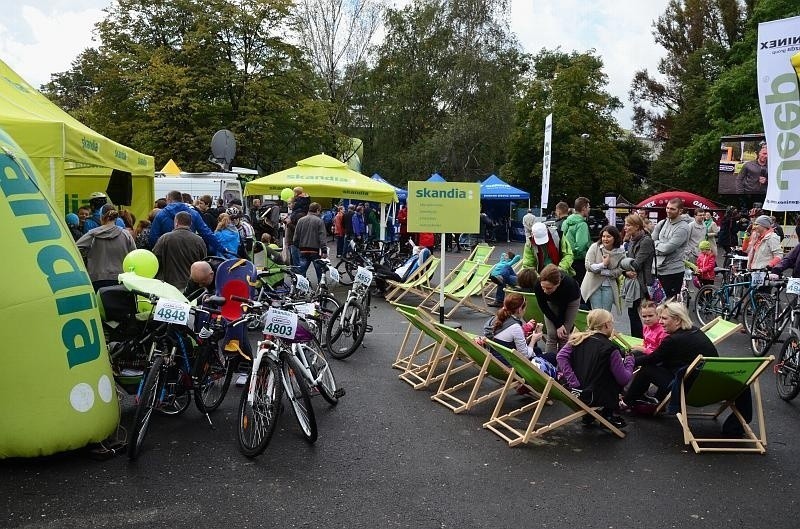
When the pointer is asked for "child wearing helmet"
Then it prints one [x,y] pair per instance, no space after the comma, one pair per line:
[706,262]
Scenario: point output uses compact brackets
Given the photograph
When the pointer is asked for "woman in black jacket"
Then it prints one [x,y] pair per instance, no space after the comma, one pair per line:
[559,297]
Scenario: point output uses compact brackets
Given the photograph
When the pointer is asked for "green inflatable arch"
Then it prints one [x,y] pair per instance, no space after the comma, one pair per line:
[56,386]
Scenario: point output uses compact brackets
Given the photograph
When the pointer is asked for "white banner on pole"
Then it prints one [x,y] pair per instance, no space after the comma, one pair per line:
[778,68]
[548,136]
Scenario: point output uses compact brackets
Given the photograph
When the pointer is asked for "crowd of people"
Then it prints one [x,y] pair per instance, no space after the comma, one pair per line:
[622,273]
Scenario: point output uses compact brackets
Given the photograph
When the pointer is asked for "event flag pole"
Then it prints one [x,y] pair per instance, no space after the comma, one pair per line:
[441,280]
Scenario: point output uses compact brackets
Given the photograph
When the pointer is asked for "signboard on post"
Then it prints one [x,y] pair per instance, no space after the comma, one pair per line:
[548,137]
[778,66]
[444,207]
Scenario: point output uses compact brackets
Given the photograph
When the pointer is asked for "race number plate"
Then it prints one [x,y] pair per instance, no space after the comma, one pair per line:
[757,278]
[171,312]
[281,323]
[363,276]
[793,286]
[303,286]
[306,308]
[334,274]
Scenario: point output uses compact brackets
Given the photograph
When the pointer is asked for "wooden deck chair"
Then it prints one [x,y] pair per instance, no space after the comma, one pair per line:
[718,329]
[421,374]
[417,283]
[405,355]
[503,424]
[455,280]
[532,308]
[476,357]
[481,253]
[626,342]
[580,320]
[721,380]
[471,288]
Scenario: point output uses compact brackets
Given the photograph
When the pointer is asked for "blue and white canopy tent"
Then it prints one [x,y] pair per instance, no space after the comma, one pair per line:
[436,177]
[495,189]
[402,195]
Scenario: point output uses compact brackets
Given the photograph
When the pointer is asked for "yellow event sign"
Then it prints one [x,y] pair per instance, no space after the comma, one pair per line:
[444,207]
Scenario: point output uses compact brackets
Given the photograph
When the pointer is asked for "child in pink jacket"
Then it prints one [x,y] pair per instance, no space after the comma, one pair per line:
[652,330]
[706,262]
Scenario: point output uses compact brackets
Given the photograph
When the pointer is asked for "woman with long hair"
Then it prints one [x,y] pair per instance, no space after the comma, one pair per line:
[593,366]
[634,289]
[104,248]
[599,286]
[228,236]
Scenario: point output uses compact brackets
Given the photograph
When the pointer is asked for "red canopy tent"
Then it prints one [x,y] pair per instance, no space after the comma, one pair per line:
[690,200]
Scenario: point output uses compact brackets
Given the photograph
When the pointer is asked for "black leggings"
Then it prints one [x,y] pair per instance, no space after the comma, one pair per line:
[672,284]
[637,331]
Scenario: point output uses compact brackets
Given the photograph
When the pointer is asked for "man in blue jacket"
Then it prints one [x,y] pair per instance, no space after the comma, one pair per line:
[97,200]
[165,222]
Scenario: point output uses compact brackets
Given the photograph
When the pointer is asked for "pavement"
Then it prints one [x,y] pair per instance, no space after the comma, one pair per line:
[388,456]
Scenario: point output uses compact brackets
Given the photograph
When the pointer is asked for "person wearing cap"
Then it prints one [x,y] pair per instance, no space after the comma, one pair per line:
[97,200]
[599,286]
[544,248]
[74,224]
[763,246]
[706,263]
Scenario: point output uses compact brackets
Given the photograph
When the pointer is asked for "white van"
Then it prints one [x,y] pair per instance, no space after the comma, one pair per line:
[217,185]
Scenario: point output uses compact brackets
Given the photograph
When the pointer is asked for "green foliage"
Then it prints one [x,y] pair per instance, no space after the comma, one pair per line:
[590,154]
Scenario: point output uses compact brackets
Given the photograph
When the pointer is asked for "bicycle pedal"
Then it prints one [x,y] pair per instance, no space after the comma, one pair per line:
[339,393]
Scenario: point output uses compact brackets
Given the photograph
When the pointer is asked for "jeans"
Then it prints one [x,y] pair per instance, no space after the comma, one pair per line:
[339,245]
[507,277]
[305,260]
[602,298]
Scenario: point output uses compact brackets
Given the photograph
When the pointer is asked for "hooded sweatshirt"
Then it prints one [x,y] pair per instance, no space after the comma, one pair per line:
[105,248]
[576,231]
[670,238]
[165,222]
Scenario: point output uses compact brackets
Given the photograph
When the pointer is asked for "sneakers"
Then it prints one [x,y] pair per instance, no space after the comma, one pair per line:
[616,421]
[646,399]
[494,304]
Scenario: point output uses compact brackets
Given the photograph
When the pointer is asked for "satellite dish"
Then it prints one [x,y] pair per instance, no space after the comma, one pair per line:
[223,149]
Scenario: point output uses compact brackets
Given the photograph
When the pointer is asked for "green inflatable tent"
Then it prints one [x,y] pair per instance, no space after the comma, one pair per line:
[72,159]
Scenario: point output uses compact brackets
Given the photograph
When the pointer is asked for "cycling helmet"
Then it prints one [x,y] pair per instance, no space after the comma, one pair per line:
[233,212]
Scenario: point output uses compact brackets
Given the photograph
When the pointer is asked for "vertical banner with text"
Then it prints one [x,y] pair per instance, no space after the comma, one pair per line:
[548,136]
[444,207]
[778,69]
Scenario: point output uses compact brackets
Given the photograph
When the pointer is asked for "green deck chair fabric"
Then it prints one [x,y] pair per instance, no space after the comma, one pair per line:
[455,280]
[416,284]
[505,424]
[481,253]
[421,374]
[721,380]
[476,357]
[718,329]
[475,285]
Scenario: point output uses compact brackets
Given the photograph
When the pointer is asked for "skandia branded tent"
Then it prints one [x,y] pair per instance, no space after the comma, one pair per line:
[402,194]
[323,176]
[493,188]
[73,159]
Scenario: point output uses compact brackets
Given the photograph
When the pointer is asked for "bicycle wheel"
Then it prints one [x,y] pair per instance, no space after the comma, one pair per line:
[787,372]
[345,334]
[257,420]
[762,331]
[707,305]
[147,398]
[347,272]
[300,397]
[319,365]
[751,309]
[327,306]
[176,397]
[213,380]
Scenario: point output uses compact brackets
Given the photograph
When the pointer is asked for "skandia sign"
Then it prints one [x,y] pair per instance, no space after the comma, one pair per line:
[427,192]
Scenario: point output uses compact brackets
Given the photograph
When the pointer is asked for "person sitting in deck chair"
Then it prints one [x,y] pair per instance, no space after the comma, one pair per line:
[383,273]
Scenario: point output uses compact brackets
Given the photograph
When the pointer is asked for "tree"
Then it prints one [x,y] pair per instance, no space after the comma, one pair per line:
[441,94]
[589,153]
[167,76]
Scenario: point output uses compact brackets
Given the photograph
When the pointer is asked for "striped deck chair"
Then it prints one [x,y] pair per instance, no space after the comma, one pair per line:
[721,381]
[421,371]
[481,253]
[476,357]
[455,280]
[417,283]
[507,425]
[473,287]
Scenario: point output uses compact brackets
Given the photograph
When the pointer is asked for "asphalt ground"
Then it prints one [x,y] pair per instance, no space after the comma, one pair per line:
[388,456]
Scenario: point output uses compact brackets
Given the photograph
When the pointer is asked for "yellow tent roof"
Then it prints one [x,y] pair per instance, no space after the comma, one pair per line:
[323,176]
[62,147]
[171,168]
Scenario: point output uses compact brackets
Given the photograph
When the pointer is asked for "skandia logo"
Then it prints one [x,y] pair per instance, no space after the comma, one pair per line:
[122,155]
[90,145]
[443,193]
[791,40]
